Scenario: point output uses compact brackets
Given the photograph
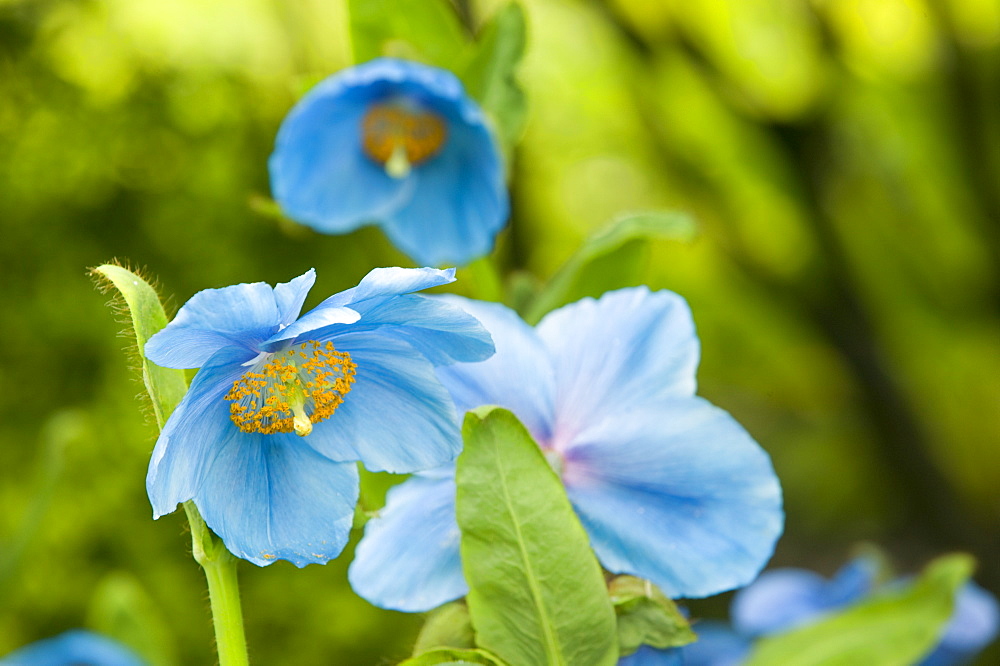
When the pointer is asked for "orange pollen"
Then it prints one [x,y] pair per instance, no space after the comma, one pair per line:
[387,127]
[310,379]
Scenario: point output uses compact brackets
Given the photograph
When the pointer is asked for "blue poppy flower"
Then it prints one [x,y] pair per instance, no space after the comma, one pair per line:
[783,599]
[73,648]
[667,486]
[265,439]
[398,144]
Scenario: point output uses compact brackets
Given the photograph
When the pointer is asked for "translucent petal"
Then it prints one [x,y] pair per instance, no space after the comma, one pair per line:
[289,296]
[680,495]
[242,315]
[408,559]
[271,497]
[519,377]
[631,348]
[73,647]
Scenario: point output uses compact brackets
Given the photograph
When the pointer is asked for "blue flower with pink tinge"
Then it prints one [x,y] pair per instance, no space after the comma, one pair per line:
[668,487]
[398,144]
[265,440]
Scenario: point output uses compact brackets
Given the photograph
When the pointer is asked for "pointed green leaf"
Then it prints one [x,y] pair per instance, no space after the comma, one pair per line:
[146,317]
[895,628]
[447,627]
[646,616]
[451,657]
[612,258]
[488,74]
[423,30]
[536,592]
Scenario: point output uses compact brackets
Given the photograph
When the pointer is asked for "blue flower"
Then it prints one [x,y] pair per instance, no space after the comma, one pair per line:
[783,599]
[73,648]
[265,439]
[398,144]
[668,487]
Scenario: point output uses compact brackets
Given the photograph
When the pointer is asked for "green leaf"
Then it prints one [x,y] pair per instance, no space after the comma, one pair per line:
[895,628]
[646,616]
[427,30]
[488,73]
[612,258]
[536,591]
[454,658]
[121,609]
[146,317]
[447,627]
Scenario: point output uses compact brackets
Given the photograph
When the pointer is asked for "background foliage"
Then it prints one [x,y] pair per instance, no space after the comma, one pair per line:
[842,158]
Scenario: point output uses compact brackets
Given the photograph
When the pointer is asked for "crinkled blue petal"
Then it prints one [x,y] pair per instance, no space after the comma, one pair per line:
[459,201]
[631,348]
[680,495]
[650,656]
[289,296]
[77,647]
[974,624]
[320,176]
[397,417]
[717,645]
[272,497]
[382,284]
[308,324]
[518,377]
[242,315]
[408,559]
[442,332]
[190,438]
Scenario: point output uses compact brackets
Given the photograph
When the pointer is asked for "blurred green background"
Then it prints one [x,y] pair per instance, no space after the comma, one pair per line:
[841,156]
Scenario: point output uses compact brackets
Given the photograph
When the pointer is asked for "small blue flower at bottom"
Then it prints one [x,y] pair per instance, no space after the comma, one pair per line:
[266,438]
[783,599]
[398,144]
[73,648]
[668,487]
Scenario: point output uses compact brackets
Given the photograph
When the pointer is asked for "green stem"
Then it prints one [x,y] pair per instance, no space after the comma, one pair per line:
[223,591]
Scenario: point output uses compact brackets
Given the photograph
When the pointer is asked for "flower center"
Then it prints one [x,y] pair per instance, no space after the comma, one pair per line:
[398,137]
[293,390]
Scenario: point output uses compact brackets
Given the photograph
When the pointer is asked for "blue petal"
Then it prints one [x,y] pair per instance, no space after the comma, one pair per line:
[192,435]
[444,333]
[650,656]
[518,377]
[271,497]
[382,284]
[680,495]
[780,599]
[974,624]
[408,559]
[628,349]
[717,645]
[243,315]
[319,173]
[397,417]
[73,647]
[289,296]
[459,201]
[308,323]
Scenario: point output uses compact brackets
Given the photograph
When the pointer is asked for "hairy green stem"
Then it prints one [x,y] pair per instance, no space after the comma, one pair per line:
[223,591]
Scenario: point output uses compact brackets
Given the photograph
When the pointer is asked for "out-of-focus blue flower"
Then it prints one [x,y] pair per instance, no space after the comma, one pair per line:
[73,648]
[668,487]
[398,144]
[783,599]
[265,439]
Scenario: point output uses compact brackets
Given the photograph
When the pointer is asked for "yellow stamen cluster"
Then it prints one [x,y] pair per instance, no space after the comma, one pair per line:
[292,390]
[390,130]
